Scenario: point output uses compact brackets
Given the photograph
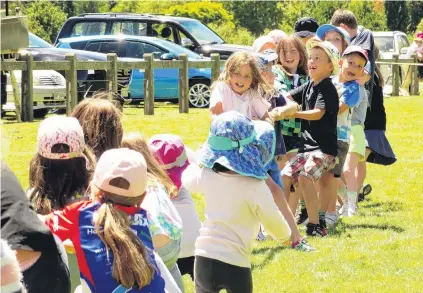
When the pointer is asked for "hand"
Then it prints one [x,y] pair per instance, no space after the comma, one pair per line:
[69,246]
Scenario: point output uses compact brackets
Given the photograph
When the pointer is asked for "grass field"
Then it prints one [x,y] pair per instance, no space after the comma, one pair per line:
[380,250]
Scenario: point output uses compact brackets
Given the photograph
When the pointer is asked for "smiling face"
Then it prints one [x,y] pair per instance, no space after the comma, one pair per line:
[240,80]
[352,67]
[336,39]
[289,57]
[319,64]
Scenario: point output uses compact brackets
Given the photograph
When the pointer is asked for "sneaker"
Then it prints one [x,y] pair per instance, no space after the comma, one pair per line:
[302,245]
[303,217]
[260,235]
[322,221]
[364,192]
[352,207]
[316,230]
[331,219]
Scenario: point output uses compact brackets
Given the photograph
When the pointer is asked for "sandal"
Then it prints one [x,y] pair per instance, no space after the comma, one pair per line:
[367,189]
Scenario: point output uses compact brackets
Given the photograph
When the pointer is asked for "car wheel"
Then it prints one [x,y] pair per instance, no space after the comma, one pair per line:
[199,93]
[40,113]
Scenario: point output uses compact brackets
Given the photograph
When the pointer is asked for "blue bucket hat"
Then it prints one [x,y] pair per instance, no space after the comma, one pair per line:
[239,144]
[324,29]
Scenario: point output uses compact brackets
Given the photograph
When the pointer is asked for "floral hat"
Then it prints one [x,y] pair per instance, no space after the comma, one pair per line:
[170,151]
[329,49]
[60,130]
[239,144]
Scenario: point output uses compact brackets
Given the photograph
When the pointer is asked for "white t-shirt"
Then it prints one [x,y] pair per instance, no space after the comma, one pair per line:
[191,223]
[235,207]
[250,103]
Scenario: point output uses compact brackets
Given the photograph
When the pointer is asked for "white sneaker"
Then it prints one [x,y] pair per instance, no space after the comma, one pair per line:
[331,219]
[352,207]
[344,209]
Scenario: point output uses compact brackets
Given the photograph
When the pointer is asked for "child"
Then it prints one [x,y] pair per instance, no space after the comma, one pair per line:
[238,88]
[110,232]
[357,149]
[170,151]
[337,36]
[59,173]
[234,161]
[305,28]
[100,120]
[319,101]
[164,221]
[291,72]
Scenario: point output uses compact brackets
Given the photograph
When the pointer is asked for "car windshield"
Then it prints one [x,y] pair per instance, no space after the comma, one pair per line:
[37,42]
[176,49]
[202,33]
[385,44]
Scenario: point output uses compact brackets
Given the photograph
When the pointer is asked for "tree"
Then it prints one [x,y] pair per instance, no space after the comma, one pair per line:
[370,14]
[45,25]
[416,14]
[67,7]
[397,15]
[206,12]
[226,31]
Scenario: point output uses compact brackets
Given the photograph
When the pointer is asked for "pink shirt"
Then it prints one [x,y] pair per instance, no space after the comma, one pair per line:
[250,103]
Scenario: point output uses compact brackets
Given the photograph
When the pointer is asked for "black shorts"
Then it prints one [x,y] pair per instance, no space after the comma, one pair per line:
[292,142]
[186,266]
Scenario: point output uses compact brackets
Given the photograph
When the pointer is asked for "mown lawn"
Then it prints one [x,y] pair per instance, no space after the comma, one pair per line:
[380,250]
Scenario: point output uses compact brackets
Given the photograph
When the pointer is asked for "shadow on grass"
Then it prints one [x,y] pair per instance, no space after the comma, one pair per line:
[380,208]
[270,254]
[343,228]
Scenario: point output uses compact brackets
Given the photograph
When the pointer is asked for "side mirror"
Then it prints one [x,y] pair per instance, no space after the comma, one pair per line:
[187,43]
[168,56]
[404,50]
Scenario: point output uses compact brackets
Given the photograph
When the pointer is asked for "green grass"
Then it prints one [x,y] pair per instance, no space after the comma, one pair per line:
[380,250]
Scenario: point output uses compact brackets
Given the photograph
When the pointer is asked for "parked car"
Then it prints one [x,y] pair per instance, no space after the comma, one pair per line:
[391,43]
[188,32]
[49,91]
[166,81]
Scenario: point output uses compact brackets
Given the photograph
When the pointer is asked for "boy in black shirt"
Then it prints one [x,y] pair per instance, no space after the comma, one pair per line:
[319,109]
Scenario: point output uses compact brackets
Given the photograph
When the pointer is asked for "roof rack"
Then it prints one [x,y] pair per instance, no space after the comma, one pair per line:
[117,14]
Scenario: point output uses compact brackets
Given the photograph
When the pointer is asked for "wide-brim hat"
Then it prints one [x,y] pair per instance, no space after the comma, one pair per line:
[170,151]
[239,144]
[324,29]
[330,50]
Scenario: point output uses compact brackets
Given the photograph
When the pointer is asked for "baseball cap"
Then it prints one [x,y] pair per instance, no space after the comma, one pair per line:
[57,130]
[324,29]
[260,41]
[266,57]
[330,50]
[356,49]
[277,35]
[306,26]
[121,163]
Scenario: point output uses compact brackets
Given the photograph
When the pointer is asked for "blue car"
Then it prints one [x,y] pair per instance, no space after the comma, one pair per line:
[166,81]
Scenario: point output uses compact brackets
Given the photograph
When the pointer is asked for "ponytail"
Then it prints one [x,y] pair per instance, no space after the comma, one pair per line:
[130,259]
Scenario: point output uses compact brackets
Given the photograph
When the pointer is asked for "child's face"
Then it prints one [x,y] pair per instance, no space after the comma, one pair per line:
[352,67]
[319,64]
[336,39]
[268,74]
[289,57]
[240,80]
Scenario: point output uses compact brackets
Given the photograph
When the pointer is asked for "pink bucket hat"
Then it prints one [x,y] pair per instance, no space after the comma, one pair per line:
[169,150]
[60,130]
[121,163]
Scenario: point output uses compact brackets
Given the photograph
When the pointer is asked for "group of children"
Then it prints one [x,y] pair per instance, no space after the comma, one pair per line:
[287,127]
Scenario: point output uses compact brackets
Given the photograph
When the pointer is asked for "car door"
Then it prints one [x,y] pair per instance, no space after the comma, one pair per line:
[135,49]
[165,79]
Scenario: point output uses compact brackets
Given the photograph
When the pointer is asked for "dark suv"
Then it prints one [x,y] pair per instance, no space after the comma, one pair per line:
[187,32]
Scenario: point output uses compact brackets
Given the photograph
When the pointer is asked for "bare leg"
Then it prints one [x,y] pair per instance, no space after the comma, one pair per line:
[311,199]
[361,171]
[351,164]
[293,199]
[327,186]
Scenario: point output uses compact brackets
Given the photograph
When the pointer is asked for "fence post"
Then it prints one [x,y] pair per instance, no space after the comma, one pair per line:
[216,66]
[149,85]
[414,77]
[112,80]
[71,83]
[395,76]
[183,85]
[28,90]
[17,96]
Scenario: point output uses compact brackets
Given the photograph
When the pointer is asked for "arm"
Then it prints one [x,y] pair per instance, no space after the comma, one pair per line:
[191,178]
[297,94]
[269,214]
[170,284]
[217,109]
[342,107]
[217,99]
[312,115]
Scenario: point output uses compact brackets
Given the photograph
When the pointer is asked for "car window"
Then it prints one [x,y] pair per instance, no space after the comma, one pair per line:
[89,29]
[405,42]
[163,31]
[93,46]
[157,52]
[78,45]
[385,44]
[134,49]
[109,47]
[202,33]
[132,28]
[37,42]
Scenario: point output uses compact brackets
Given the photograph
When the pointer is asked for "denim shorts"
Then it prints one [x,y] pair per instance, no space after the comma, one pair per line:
[275,173]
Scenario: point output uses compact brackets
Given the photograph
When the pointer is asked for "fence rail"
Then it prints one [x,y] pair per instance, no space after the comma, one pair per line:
[112,66]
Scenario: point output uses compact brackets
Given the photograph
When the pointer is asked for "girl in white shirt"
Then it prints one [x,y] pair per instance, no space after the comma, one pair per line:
[234,161]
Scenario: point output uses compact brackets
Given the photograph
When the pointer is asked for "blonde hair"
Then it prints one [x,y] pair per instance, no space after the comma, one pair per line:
[298,44]
[130,259]
[238,59]
[135,141]
[101,122]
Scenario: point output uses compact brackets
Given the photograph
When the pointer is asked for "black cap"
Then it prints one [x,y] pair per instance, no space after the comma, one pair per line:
[306,26]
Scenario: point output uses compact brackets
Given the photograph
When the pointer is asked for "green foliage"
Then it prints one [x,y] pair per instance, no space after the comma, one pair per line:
[45,19]
[226,31]
[370,14]
[206,12]
[419,27]
[416,14]
[397,15]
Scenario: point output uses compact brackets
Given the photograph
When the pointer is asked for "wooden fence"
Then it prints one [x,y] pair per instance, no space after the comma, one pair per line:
[112,65]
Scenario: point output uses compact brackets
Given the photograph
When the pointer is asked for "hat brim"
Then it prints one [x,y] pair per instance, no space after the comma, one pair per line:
[318,44]
[304,34]
[254,158]
[324,29]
